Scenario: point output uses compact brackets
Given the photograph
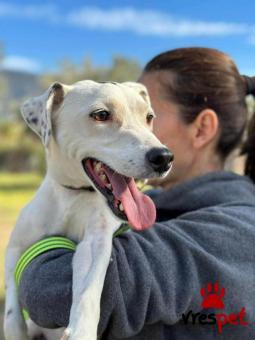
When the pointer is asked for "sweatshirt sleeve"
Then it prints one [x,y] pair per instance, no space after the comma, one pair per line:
[153,276]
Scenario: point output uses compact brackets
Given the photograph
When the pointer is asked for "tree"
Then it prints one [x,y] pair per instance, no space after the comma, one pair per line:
[122,69]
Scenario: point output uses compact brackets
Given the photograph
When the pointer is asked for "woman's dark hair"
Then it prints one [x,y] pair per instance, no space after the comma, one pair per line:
[201,78]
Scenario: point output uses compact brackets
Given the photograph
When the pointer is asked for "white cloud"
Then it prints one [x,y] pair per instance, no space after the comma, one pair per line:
[149,23]
[19,63]
[143,22]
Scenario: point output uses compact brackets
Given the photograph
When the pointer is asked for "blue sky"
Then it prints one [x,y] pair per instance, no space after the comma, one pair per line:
[38,34]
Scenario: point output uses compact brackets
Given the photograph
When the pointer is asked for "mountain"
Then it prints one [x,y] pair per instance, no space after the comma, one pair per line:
[15,86]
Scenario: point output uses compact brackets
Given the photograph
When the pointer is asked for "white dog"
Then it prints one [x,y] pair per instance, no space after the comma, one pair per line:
[97,138]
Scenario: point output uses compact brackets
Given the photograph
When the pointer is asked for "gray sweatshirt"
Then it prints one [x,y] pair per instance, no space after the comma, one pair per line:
[205,233]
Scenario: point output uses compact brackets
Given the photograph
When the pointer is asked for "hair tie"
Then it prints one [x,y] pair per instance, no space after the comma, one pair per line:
[250,84]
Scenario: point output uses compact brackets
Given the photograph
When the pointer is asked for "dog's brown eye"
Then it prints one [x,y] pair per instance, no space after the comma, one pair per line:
[101,116]
[149,117]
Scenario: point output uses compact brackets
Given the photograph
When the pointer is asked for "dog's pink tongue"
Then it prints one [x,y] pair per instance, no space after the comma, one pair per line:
[139,208]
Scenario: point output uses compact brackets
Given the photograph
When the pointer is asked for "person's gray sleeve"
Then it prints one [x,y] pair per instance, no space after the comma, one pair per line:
[153,276]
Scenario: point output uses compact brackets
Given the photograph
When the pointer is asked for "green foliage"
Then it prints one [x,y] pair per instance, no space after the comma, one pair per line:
[122,69]
[16,190]
[20,149]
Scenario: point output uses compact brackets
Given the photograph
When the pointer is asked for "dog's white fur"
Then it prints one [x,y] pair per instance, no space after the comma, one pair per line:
[61,118]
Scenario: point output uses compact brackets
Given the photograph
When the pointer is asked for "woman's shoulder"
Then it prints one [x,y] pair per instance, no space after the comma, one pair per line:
[215,190]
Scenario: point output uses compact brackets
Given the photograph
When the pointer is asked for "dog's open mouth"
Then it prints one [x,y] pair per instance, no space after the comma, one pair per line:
[122,194]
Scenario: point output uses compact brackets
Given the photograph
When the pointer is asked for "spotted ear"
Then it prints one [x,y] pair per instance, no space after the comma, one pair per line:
[141,89]
[37,112]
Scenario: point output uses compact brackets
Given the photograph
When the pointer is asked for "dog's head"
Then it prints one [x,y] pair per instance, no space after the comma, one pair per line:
[101,133]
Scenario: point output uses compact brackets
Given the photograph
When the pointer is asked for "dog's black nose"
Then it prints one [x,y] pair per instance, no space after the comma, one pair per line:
[159,159]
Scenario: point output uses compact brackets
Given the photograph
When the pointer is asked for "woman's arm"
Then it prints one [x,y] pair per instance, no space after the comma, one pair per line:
[153,276]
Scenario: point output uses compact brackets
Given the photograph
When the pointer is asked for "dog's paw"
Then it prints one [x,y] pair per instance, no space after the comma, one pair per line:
[14,330]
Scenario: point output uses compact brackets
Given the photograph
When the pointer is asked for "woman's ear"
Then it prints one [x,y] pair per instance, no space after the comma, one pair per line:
[205,128]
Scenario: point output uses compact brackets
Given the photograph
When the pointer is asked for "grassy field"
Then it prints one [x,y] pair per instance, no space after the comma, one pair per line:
[15,191]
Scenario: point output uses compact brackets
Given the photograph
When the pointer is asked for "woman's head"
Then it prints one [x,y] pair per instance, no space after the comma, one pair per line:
[199,98]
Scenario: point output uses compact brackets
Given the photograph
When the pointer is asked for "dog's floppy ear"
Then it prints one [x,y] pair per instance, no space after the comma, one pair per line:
[141,89]
[37,111]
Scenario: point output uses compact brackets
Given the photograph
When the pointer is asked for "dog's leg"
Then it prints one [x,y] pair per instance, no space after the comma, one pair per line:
[14,324]
[90,263]
[37,332]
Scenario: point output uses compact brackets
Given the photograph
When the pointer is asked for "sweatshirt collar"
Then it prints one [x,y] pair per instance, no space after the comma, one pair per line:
[211,189]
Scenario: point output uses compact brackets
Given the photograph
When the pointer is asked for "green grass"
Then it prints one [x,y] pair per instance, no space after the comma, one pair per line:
[15,191]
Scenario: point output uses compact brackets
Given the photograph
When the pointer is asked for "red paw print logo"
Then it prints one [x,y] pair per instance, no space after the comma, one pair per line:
[212,296]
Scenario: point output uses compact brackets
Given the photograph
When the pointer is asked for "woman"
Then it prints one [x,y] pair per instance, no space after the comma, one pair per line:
[160,283]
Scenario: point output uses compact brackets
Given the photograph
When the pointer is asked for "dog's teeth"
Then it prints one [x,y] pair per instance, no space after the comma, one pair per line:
[103,178]
[98,166]
[121,207]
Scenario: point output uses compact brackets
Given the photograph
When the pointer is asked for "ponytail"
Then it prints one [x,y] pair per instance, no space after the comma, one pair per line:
[248,147]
